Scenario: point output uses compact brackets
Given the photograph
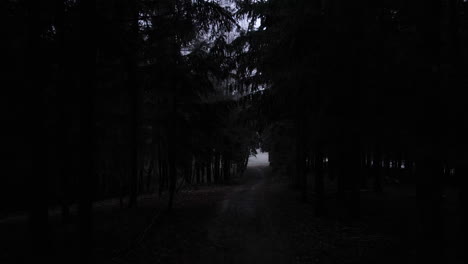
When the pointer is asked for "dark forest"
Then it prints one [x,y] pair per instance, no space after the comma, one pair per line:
[234,131]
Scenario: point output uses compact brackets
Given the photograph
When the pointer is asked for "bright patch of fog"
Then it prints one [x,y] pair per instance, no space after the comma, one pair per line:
[261,159]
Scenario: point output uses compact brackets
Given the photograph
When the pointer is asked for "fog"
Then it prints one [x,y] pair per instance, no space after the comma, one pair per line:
[261,159]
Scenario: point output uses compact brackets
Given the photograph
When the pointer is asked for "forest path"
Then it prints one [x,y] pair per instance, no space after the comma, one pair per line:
[245,229]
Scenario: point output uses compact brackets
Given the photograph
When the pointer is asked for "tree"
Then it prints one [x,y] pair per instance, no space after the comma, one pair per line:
[87,93]
[38,177]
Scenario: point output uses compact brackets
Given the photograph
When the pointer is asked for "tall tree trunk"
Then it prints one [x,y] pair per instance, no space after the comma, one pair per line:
[378,170]
[301,158]
[353,162]
[340,177]
[458,62]
[208,171]
[135,100]
[364,169]
[216,167]
[160,171]
[226,168]
[246,163]
[198,173]
[204,172]
[38,177]
[164,177]
[172,143]
[429,130]
[319,183]
[462,172]
[172,178]
[149,175]
[87,144]
[62,97]
[429,193]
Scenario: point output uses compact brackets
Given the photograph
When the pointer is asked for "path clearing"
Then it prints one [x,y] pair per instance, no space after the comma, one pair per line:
[245,230]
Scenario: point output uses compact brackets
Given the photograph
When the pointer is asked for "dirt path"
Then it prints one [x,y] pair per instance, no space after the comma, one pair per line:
[244,229]
[257,220]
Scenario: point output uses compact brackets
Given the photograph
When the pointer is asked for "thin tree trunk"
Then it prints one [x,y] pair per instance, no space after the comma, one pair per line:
[161,171]
[216,167]
[319,183]
[378,170]
[135,101]
[354,174]
[429,193]
[149,176]
[204,172]
[172,178]
[61,132]
[87,145]
[226,168]
[38,179]
[197,171]
[431,121]
[364,170]
[340,178]
[172,141]
[208,171]
[462,173]
[301,156]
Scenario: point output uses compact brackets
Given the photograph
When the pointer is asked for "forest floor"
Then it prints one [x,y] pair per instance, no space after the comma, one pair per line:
[258,219]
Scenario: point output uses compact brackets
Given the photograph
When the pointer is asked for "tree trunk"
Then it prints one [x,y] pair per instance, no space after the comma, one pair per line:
[430,120]
[149,176]
[172,178]
[340,178]
[198,173]
[301,158]
[161,171]
[62,97]
[364,170]
[172,143]
[208,171]
[38,177]
[216,167]
[319,183]
[87,144]
[462,173]
[429,193]
[135,99]
[354,174]
[226,168]
[378,170]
